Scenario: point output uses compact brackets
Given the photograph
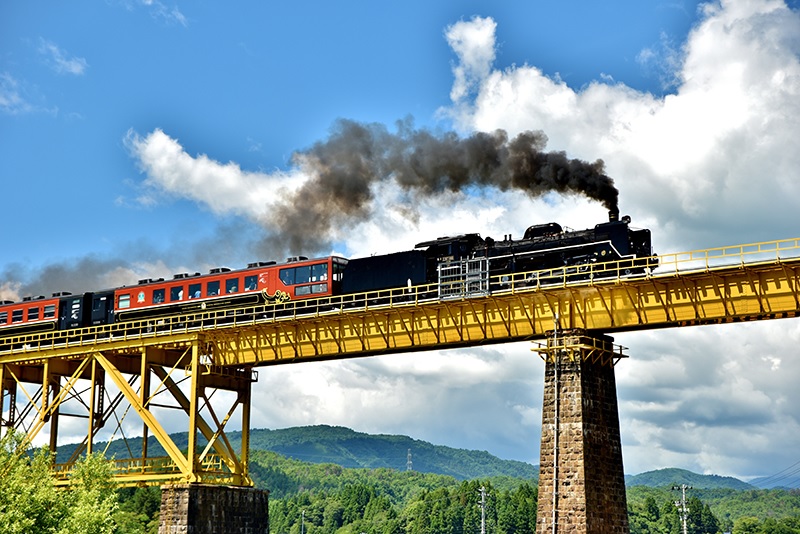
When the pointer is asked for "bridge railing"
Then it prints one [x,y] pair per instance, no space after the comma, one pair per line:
[155,468]
[721,257]
[568,275]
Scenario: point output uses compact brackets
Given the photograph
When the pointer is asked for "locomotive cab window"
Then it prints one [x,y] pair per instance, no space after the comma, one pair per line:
[124,301]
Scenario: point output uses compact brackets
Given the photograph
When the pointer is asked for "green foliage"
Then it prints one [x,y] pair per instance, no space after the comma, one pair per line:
[31,504]
[652,510]
[92,498]
[138,511]
[29,501]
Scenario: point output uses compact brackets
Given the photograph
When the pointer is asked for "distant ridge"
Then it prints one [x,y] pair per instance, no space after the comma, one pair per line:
[348,448]
[673,476]
[351,449]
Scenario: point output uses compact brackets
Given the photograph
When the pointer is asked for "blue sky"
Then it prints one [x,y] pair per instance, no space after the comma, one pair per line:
[252,85]
[141,138]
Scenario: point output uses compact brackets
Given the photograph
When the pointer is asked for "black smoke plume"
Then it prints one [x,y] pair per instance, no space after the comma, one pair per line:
[356,156]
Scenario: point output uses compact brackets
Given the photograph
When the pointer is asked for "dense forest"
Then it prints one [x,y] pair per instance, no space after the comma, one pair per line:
[316,498]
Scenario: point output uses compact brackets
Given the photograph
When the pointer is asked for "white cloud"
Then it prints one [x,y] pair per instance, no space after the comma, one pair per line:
[708,165]
[713,163]
[60,61]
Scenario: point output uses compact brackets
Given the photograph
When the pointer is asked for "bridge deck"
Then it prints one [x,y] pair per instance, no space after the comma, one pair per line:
[218,350]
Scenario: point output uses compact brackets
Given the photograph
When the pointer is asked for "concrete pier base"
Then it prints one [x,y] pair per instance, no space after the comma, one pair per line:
[207,509]
[581,479]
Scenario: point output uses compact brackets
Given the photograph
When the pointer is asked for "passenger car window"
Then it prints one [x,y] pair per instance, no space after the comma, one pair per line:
[231,285]
[250,283]
[175,293]
[158,296]
[319,272]
[125,301]
[212,288]
[194,291]
[287,276]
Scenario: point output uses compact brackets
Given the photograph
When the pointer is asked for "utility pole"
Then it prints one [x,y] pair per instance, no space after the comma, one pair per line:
[483,510]
[408,461]
[303,522]
[682,507]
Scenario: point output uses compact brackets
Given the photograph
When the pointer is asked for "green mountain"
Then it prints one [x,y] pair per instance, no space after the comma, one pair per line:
[323,444]
[675,477]
[348,448]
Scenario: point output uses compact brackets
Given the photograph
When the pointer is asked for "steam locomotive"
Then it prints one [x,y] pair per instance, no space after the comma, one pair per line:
[463,266]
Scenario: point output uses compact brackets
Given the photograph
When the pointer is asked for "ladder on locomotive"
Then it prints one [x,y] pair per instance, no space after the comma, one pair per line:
[463,278]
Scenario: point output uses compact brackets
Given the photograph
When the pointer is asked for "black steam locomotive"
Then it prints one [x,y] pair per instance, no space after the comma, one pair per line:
[469,264]
[463,266]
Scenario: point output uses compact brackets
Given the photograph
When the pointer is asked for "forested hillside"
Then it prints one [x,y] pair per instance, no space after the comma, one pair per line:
[348,448]
[327,498]
[672,477]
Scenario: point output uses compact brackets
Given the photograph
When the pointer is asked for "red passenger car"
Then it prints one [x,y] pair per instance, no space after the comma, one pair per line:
[259,283]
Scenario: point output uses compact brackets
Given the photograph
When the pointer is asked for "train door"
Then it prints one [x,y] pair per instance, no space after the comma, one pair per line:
[102,308]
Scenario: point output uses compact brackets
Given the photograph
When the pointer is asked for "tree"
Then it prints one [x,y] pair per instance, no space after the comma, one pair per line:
[29,501]
[31,504]
[746,525]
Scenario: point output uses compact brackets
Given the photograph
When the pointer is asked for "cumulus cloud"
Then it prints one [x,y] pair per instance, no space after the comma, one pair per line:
[713,162]
[710,161]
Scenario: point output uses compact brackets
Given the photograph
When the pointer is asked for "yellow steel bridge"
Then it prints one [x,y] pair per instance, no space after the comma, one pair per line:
[200,368]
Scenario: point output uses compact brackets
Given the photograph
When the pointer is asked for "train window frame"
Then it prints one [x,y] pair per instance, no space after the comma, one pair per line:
[96,304]
[319,272]
[287,276]
[124,301]
[212,288]
[302,274]
[3,317]
[17,316]
[176,294]
[49,311]
[159,295]
[231,285]
[33,313]
[195,290]
[251,282]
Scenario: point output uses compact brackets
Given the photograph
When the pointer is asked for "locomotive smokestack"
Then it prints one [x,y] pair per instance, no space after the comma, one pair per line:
[613,215]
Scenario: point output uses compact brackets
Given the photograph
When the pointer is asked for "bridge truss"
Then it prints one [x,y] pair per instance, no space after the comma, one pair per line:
[195,372]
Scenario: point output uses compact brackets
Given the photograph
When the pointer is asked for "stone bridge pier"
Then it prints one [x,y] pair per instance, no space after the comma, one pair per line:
[581,478]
